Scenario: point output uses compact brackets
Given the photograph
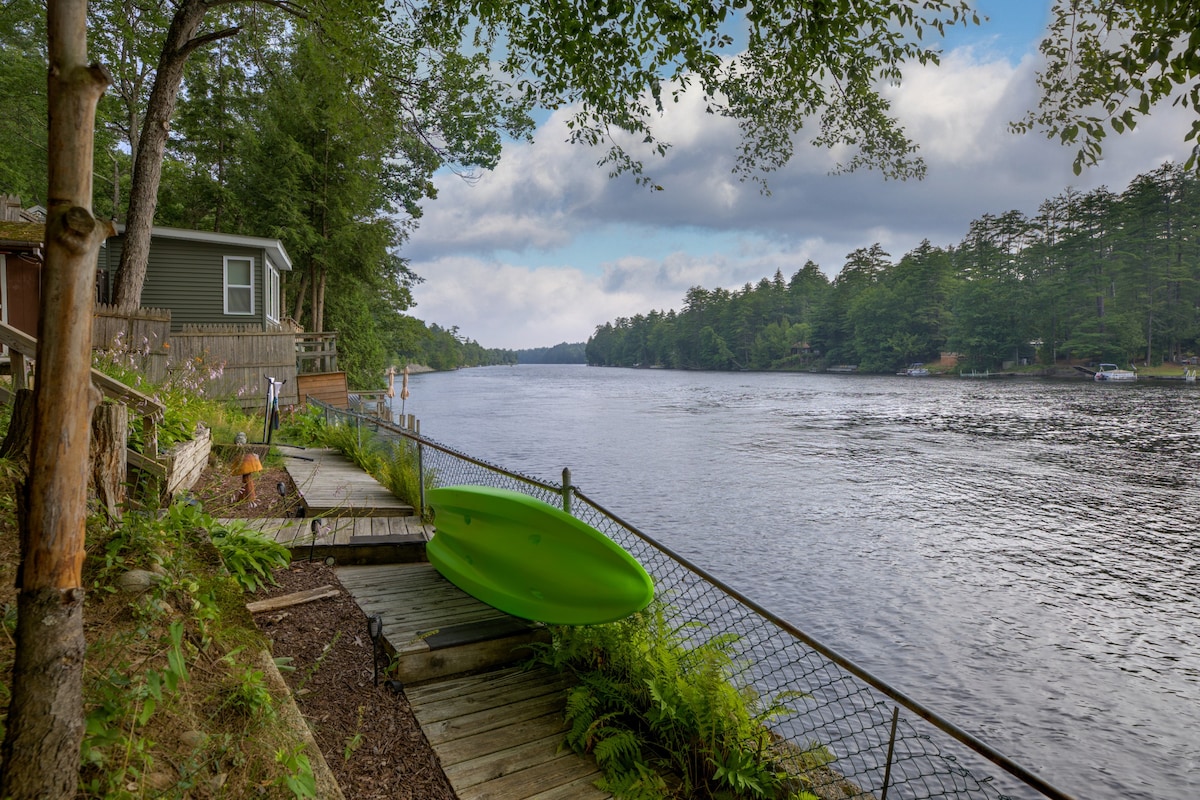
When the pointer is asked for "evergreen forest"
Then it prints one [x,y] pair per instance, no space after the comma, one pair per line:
[561,353]
[276,134]
[1095,276]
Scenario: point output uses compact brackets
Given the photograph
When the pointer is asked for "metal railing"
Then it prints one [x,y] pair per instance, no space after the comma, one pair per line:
[886,745]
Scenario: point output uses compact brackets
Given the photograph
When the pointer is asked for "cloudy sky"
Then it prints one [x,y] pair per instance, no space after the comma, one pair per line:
[547,247]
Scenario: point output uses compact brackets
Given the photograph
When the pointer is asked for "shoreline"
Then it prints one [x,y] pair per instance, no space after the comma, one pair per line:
[1050,373]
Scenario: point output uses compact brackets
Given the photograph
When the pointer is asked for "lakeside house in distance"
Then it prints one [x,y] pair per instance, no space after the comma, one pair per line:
[211,298]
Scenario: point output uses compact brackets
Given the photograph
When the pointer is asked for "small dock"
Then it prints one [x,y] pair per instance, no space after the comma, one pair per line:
[497,728]
[332,485]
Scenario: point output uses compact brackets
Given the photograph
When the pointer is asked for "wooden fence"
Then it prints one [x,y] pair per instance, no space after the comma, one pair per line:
[143,335]
[235,362]
[317,352]
[228,361]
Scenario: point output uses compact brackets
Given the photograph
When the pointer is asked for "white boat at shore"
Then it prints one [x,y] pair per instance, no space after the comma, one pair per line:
[915,370]
[1110,372]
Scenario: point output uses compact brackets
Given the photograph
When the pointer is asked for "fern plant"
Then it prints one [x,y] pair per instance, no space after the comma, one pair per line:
[656,706]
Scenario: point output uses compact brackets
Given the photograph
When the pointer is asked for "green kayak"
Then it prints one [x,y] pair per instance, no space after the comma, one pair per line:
[532,560]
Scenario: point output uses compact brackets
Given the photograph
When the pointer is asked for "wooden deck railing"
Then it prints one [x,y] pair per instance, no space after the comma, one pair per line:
[22,351]
[369,401]
[316,352]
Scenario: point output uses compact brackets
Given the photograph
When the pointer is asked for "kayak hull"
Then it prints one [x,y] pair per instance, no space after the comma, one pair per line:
[532,560]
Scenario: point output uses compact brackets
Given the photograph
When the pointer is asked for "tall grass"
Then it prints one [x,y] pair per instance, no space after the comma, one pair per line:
[392,462]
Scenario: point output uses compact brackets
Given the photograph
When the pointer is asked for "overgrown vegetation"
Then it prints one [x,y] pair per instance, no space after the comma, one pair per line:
[182,394]
[656,704]
[175,697]
[392,462]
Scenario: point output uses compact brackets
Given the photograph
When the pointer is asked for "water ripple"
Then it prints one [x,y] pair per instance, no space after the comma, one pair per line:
[1021,556]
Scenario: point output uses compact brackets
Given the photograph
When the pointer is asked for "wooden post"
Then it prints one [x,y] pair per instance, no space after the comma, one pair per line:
[19,366]
[20,429]
[45,722]
[110,432]
[421,479]
[566,490]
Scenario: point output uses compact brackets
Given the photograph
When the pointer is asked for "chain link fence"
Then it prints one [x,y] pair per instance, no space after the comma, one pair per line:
[885,745]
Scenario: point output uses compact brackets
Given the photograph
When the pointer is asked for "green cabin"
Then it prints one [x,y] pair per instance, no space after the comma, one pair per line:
[206,279]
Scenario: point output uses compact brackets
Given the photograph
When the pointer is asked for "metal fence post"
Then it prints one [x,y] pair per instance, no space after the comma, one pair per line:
[566,490]
[887,769]
[421,479]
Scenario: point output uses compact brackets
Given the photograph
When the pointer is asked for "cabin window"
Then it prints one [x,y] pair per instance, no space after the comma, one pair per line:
[239,285]
[271,293]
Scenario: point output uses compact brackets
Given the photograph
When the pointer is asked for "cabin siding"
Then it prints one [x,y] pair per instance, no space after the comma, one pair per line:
[188,277]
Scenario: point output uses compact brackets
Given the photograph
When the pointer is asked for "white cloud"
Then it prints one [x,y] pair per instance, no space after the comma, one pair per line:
[511,306]
[618,249]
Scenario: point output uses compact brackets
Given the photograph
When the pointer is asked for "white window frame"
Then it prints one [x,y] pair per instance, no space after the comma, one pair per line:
[271,297]
[227,286]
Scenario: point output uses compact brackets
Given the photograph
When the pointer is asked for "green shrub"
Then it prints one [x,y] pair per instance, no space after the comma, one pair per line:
[660,713]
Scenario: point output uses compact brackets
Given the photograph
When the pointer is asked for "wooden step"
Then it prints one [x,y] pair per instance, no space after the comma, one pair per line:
[434,629]
[500,734]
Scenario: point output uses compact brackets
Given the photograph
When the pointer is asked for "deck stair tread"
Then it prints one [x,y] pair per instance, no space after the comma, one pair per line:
[499,735]
[432,627]
[298,533]
[332,485]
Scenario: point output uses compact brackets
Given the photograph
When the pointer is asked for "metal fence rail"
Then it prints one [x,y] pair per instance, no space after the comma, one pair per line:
[886,745]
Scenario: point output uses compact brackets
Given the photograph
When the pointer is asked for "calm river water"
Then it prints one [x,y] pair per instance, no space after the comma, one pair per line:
[1021,556]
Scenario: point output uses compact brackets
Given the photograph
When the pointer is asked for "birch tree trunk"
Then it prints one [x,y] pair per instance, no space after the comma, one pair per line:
[45,718]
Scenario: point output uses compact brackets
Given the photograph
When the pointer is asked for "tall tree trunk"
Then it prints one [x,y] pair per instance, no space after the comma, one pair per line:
[45,717]
[318,309]
[147,162]
[180,43]
[301,291]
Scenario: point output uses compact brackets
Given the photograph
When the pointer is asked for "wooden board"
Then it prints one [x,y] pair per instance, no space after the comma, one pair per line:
[499,735]
[330,485]
[417,604]
[328,387]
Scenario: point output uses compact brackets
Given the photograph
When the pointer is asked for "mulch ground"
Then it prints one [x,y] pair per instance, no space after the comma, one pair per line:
[367,733]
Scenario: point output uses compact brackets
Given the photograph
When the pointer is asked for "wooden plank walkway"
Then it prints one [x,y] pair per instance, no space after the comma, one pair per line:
[498,736]
[498,730]
[433,628]
[329,531]
[331,485]
[348,540]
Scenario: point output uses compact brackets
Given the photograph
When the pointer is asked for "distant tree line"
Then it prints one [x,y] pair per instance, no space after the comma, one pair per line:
[1091,276]
[445,348]
[562,353]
